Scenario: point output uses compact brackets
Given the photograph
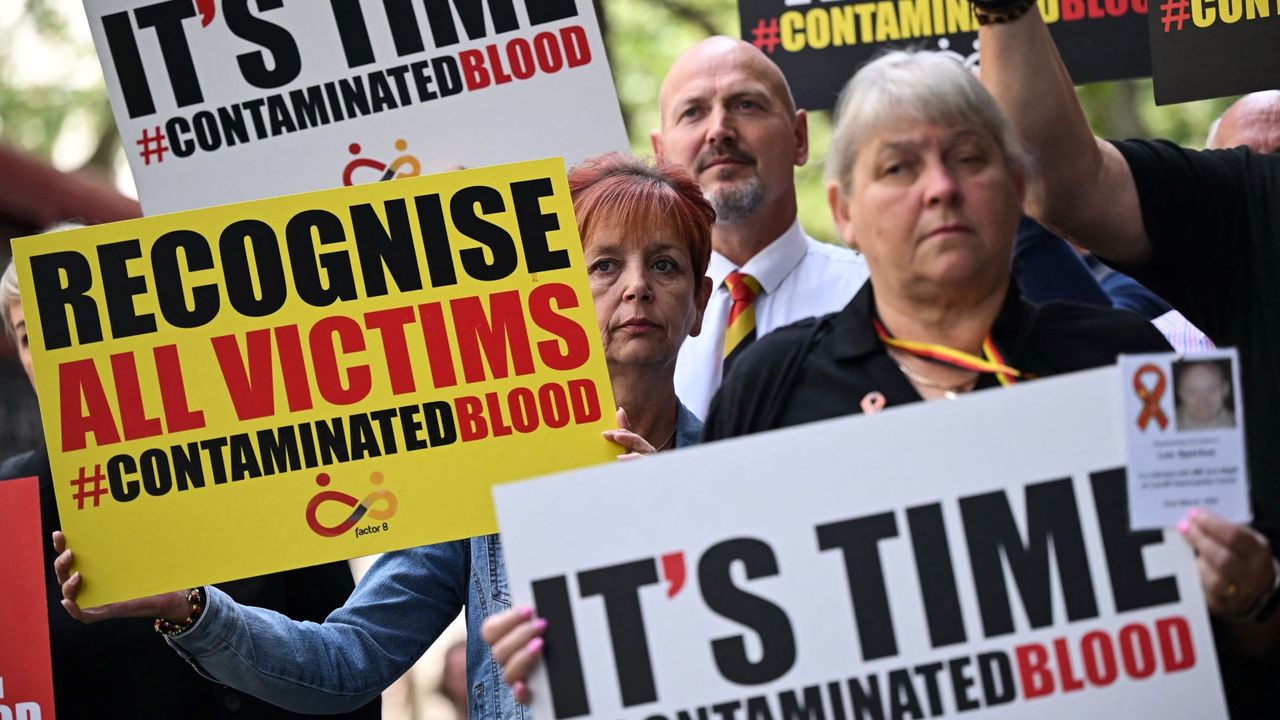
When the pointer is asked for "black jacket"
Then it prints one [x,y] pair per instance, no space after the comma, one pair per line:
[822,368]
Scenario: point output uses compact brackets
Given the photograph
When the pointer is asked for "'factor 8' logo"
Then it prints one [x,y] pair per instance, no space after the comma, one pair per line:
[377,505]
[404,165]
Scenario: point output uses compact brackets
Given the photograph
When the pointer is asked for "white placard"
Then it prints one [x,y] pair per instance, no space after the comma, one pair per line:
[219,102]
[950,559]
[1185,428]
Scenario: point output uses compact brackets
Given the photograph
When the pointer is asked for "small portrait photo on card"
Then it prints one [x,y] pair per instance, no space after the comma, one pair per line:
[1204,394]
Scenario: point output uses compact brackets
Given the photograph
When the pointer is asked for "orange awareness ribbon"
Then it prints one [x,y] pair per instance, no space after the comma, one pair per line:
[991,362]
[1150,397]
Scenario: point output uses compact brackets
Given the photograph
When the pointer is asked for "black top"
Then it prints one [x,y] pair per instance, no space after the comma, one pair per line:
[823,367]
[1213,219]
[123,669]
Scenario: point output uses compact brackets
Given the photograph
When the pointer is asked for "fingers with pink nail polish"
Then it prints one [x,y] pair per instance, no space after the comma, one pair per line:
[515,637]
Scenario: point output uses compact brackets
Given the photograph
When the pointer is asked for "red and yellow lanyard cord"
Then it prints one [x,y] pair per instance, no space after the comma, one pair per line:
[991,362]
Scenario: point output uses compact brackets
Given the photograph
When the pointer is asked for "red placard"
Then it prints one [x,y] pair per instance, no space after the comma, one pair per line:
[26,672]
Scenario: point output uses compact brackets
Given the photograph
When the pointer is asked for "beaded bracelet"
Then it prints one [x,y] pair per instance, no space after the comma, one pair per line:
[195,596]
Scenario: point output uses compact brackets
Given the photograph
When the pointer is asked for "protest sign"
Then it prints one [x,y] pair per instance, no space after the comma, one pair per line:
[820,44]
[231,101]
[285,382]
[1213,48]
[26,672]
[949,559]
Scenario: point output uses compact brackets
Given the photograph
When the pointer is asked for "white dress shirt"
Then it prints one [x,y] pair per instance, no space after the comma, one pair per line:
[799,278]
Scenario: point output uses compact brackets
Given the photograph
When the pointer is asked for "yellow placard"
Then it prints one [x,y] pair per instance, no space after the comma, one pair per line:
[268,385]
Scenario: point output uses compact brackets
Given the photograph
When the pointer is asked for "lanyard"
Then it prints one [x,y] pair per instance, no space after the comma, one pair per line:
[991,361]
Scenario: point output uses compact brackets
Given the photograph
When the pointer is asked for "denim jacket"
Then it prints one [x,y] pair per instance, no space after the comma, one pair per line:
[400,607]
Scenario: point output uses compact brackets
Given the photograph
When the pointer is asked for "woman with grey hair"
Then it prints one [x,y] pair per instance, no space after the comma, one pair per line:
[15,322]
[926,179]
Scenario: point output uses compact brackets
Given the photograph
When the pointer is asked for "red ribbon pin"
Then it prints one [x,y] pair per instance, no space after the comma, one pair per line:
[872,403]
[1150,396]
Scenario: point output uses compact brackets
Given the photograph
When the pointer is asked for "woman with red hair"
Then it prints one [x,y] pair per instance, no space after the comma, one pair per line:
[646,239]
[646,235]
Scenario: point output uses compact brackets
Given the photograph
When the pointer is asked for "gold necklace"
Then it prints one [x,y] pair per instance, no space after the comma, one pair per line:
[664,442]
[950,392]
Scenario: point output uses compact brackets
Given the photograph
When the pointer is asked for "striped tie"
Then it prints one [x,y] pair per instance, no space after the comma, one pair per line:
[742,315]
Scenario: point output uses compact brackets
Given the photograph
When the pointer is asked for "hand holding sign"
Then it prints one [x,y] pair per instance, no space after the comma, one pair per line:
[171,606]
[515,636]
[1234,561]
[635,445]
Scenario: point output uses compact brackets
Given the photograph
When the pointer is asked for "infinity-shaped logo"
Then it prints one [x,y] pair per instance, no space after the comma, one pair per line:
[359,508]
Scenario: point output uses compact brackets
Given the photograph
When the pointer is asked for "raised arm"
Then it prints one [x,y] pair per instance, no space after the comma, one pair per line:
[1083,188]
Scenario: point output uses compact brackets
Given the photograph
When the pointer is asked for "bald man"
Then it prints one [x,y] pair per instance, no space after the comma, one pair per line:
[1252,121]
[728,117]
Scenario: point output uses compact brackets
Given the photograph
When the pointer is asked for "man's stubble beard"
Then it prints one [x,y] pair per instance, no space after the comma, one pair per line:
[737,202]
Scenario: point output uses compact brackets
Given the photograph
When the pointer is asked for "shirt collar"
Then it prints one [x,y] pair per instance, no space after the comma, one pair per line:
[770,266]
[853,336]
[688,426]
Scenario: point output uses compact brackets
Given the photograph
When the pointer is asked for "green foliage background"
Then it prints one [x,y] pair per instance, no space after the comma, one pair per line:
[643,37]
